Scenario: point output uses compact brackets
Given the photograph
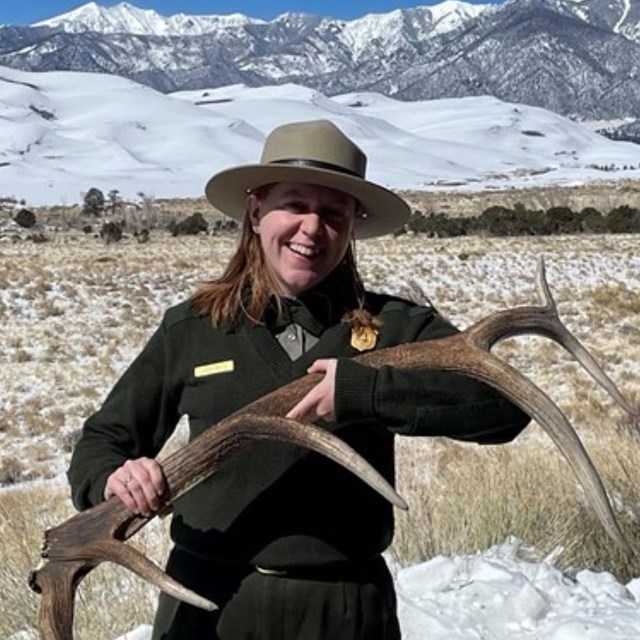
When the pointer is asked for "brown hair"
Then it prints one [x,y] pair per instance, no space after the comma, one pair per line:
[246,288]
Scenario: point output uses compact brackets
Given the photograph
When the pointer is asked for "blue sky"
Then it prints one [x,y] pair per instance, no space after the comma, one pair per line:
[18,12]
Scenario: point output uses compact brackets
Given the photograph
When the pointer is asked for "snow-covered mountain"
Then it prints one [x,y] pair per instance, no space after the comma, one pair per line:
[125,18]
[577,57]
[64,132]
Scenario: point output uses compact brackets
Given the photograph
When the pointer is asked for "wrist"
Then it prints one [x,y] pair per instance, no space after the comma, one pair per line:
[354,393]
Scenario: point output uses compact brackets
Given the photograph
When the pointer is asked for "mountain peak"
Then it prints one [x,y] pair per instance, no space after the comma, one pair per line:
[127,18]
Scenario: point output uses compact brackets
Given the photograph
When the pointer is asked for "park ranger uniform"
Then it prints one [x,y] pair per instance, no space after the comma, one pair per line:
[286,542]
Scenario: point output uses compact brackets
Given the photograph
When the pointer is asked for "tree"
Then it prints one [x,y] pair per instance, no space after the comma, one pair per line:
[93,202]
[623,219]
[115,200]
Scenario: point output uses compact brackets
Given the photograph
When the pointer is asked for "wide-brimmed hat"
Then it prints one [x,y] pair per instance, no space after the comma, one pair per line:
[318,153]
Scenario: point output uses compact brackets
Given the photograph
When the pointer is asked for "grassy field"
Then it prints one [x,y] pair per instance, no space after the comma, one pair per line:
[74,312]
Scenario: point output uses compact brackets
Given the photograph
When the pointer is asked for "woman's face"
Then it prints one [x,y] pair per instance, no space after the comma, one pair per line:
[304,232]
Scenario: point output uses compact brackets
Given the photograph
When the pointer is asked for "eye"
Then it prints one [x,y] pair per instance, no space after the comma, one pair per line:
[335,214]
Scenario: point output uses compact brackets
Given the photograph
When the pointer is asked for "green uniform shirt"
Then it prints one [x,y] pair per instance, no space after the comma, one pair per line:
[276,504]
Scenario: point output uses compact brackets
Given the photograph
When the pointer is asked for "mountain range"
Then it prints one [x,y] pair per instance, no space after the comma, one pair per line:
[579,58]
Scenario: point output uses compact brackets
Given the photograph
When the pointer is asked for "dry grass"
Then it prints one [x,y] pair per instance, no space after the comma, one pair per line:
[464,498]
[75,312]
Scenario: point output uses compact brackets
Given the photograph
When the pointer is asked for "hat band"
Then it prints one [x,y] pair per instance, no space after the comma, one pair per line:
[316,164]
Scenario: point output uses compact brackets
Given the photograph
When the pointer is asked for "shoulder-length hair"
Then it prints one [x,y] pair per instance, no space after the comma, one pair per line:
[246,288]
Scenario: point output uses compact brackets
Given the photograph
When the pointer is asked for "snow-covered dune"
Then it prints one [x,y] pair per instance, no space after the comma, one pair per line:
[64,132]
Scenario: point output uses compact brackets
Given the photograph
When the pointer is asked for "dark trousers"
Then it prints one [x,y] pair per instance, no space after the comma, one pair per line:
[252,606]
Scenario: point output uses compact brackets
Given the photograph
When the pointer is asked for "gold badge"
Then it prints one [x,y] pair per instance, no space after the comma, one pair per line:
[363,338]
[204,370]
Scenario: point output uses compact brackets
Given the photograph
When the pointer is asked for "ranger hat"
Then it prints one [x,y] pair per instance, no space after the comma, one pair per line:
[318,153]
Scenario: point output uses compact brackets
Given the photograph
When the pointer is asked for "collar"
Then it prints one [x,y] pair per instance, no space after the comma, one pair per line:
[314,310]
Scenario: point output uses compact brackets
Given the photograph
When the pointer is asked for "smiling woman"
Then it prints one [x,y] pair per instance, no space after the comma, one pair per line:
[286,543]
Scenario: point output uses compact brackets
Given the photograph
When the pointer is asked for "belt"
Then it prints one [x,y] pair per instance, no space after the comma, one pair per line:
[337,572]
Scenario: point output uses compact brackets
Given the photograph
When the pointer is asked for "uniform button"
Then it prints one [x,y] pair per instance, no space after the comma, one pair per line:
[292,337]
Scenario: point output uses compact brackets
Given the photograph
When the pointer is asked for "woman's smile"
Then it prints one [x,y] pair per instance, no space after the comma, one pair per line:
[301,250]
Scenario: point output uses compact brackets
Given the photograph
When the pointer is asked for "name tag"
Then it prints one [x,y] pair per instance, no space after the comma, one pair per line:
[224,366]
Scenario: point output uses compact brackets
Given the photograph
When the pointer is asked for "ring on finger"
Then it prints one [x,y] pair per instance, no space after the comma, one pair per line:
[127,480]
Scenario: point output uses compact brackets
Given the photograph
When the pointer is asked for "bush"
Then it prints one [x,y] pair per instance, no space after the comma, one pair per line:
[190,226]
[592,221]
[25,218]
[519,221]
[502,221]
[562,220]
[623,219]
[115,200]
[111,232]
[437,225]
[93,202]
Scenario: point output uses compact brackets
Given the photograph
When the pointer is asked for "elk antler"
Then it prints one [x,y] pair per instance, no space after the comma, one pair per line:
[468,352]
[78,545]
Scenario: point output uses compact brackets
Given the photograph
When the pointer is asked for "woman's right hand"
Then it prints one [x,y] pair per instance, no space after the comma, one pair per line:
[140,484]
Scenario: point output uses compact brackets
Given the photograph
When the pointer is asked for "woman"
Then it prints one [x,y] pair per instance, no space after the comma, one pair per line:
[287,543]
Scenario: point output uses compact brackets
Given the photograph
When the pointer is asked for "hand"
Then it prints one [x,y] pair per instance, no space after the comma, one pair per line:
[319,403]
[140,484]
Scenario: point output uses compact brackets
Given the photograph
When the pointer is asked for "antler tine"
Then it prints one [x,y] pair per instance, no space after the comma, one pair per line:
[524,393]
[58,580]
[545,321]
[542,287]
[570,343]
[129,558]
[236,432]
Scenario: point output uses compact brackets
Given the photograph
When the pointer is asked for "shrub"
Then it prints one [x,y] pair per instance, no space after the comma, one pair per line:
[115,200]
[190,226]
[623,219]
[38,238]
[503,221]
[93,202]
[437,225]
[25,218]
[499,221]
[592,221]
[111,232]
[11,471]
[562,220]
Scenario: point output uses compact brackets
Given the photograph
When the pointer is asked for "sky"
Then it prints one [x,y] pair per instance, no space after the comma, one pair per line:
[22,12]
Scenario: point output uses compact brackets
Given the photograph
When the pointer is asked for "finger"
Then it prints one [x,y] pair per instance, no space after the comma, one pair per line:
[116,487]
[319,366]
[137,486]
[156,473]
[137,494]
[141,486]
[155,484]
[304,411]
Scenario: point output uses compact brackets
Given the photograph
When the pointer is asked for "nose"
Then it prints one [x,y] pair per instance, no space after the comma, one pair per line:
[311,224]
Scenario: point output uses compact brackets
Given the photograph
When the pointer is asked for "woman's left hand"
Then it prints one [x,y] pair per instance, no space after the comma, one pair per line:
[319,403]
